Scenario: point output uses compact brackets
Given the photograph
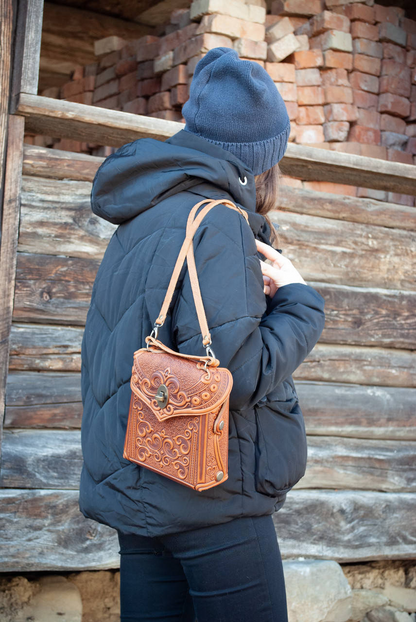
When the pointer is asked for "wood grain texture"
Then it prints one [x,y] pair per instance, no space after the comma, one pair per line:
[8,245]
[357,411]
[52,459]
[58,164]
[113,127]
[37,347]
[6,32]
[346,526]
[43,400]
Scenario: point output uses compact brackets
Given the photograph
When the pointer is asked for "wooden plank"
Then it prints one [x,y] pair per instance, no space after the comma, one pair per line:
[36,347]
[57,219]
[52,459]
[160,13]
[58,164]
[35,400]
[8,245]
[44,530]
[357,411]
[27,49]
[339,207]
[53,289]
[347,526]
[324,249]
[6,32]
[359,365]
[112,127]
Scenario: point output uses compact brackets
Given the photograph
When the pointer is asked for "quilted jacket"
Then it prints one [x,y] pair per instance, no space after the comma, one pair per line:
[148,187]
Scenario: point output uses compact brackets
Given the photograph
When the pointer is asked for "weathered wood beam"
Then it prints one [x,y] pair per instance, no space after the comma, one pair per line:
[8,245]
[6,34]
[57,164]
[317,524]
[52,459]
[113,127]
[160,13]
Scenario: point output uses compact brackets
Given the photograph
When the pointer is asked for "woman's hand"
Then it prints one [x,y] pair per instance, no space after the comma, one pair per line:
[280,272]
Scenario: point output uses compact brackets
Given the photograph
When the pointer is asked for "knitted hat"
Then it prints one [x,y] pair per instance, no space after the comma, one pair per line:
[235,104]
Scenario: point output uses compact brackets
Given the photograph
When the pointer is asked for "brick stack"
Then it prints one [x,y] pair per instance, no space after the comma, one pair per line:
[347,72]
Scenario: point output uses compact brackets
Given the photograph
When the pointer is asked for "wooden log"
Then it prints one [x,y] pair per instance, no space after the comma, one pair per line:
[8,245]
[325,249]
[57,219]
[356,411]
[35,400]
[58,164]
[35,347]
[53,289]
[359,365]
[53,459]
[112,127]
[339,207]
[44,530]
[160,12]
[6,32]
[346,526]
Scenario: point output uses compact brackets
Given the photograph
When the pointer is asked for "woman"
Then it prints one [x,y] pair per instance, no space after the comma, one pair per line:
[213,554]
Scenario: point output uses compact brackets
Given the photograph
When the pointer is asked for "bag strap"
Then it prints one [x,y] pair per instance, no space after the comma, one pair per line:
[187,252]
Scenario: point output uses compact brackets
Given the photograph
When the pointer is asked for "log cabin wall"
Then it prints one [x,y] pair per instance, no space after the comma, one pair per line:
[357,388]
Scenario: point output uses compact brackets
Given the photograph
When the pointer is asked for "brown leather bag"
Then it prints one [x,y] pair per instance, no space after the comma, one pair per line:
[179,407]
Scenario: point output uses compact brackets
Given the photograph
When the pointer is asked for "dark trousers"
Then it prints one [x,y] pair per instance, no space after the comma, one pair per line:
[222,573]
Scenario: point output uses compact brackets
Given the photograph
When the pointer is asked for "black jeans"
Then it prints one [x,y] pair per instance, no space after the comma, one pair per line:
[222,573]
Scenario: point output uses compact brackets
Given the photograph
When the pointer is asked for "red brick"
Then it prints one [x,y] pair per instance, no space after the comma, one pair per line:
[392,33]
[391,68]
[110,59]
[367,64]
[365,100]
[105,91]
[408,25]
[369,193]
[338,60]
[145,70]
[363,134]
[394,104]
[78,73]
[179,95]
[308,58]
[369,48]
[337,94]
[329,21]
[401,199]
[310,115]
[411,145]
[394,155]
[332,40]
[91,69]
[82,98]
[362,30]
[336,131]
[386,14]
[255,50]
[105,76]
[395,52]
[368,118]
[330,187]
[413,94]
[398,86]
[364,82]
[198,44]
[360,12]
[292,110]
[296,7]
[176,38]
[109,102]
[373,151]
[290,181]
[287,90]
[412,115]
[148,87]
[281,72]
[125,66]
[176,75]
[348,147]
[136,106]
[128,81]
[335,77]
[127,96]
[410,130]
[392,124]
[308,77]
[149,51]
[159,101]
[411,41]
[341,112]
[309,134]
[168,115]
[310,96]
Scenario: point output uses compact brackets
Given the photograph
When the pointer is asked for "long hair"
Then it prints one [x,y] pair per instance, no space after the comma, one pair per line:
[267,187]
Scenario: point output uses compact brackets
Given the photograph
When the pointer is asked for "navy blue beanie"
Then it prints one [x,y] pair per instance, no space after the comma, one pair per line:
[235,104]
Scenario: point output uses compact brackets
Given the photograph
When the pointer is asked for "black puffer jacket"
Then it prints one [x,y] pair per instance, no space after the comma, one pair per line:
[148,188]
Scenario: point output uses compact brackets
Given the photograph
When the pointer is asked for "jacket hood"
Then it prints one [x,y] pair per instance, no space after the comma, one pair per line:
[145,171]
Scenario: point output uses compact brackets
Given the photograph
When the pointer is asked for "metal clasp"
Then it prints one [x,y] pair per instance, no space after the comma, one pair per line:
[153,334]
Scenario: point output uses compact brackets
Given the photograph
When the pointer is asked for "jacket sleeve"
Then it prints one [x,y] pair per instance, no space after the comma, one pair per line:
[260,340]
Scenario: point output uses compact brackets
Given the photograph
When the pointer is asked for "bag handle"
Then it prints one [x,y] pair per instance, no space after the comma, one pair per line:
[187,252]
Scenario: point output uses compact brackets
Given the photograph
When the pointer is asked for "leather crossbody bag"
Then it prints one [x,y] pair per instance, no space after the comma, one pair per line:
[179,409]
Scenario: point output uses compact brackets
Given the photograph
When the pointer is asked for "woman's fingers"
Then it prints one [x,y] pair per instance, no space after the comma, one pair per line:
[270,253]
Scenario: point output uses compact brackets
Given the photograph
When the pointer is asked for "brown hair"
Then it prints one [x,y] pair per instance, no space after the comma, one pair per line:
[267,187]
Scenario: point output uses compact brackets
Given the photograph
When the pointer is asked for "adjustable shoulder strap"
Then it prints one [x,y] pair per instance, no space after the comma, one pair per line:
[187,251]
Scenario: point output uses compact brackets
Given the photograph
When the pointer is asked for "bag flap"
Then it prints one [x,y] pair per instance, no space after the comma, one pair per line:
[191,389]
